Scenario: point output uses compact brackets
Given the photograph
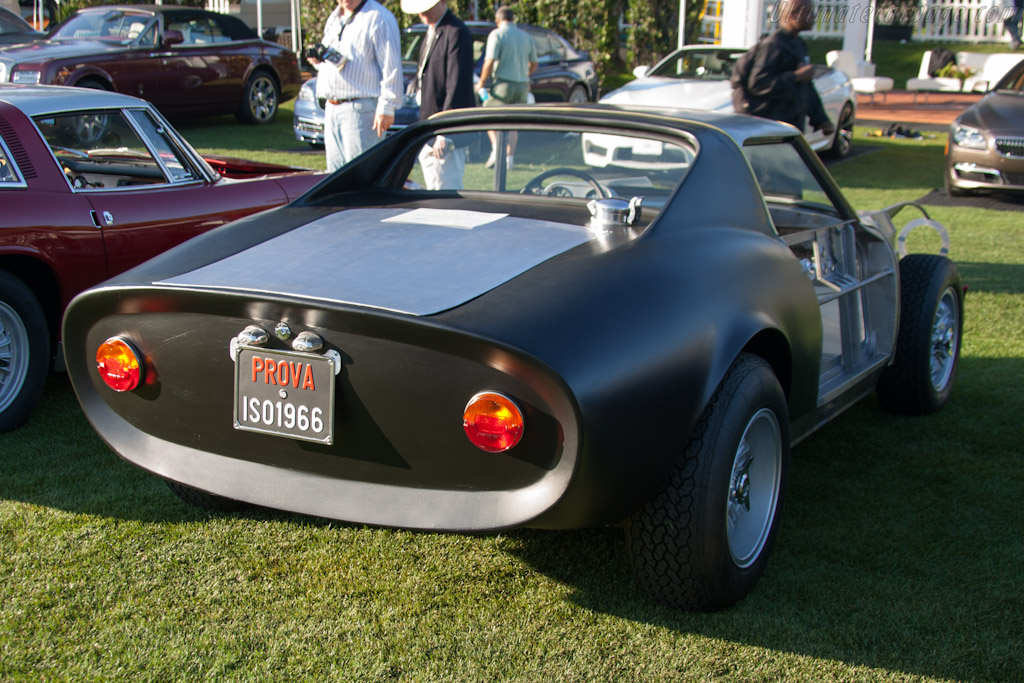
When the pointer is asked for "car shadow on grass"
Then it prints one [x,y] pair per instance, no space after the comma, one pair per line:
[896,556]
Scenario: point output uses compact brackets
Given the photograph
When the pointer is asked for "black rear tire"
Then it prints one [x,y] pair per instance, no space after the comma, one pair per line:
[24,351]
[920,378]
[578,95]
[703,542]
[259,100]
[842,140]
[204,500]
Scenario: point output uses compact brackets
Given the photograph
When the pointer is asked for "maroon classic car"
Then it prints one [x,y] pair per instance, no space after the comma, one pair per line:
[93,183]
[186,61]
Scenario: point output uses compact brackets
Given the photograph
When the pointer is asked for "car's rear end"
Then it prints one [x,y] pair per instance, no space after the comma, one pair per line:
[301,373]
[327,410]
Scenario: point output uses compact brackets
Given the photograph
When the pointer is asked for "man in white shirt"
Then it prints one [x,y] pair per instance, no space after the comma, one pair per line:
[360,78]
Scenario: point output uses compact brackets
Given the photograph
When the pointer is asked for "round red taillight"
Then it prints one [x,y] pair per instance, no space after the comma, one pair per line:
[118,364]
[493,422]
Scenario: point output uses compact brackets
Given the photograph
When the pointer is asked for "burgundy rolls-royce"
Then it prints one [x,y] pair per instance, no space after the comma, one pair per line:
[93,183]
[186,61]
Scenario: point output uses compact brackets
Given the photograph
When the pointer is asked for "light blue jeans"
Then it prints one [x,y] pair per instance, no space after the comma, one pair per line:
[348,130]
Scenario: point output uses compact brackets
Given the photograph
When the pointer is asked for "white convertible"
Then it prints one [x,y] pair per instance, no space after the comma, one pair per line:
[697,77]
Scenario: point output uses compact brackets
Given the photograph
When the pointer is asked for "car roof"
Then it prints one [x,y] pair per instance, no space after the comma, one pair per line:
[739,127]
[150,9]
[479,28]
[34,100]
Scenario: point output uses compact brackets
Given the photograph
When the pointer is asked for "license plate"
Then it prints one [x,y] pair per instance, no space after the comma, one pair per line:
[285,393]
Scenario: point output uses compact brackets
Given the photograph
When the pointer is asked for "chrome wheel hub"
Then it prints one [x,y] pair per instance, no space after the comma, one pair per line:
[14,355]
[754,486]
[262,100]
[944,340]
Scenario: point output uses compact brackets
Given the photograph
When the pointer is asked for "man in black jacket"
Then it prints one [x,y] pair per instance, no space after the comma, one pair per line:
[775,78]
[444,80]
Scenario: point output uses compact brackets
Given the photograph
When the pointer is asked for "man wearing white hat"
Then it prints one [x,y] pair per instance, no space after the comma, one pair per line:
[444,80]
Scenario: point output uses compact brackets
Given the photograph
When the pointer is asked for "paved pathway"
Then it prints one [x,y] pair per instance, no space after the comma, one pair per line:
[934,110]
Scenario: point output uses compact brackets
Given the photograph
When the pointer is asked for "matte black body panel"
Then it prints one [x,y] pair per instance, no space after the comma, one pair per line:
[612,350]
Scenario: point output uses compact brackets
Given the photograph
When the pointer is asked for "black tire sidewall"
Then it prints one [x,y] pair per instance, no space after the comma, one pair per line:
[19,297]
[905,386]
[836,150]
[757,389]
[678,541]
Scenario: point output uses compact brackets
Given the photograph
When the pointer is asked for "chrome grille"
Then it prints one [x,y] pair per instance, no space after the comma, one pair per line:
[1011,146]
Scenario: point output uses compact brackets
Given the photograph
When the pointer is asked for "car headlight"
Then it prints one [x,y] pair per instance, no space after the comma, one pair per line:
[3,73]
[19,76]
[306,92]
[965,136]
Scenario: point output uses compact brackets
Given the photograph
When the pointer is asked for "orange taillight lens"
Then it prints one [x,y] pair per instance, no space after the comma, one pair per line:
[493,422]
[118,364]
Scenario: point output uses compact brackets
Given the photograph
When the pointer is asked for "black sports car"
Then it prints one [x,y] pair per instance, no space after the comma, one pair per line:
[577,339]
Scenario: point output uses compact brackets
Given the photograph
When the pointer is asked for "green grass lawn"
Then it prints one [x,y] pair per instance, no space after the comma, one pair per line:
[899,556]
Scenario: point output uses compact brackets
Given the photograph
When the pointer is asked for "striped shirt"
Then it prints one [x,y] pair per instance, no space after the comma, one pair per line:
[371,44]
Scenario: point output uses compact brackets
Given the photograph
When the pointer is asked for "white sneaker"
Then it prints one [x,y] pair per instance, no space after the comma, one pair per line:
[490,160]
[508,162]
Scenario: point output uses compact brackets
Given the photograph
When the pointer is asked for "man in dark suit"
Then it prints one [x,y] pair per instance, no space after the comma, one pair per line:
[444,80]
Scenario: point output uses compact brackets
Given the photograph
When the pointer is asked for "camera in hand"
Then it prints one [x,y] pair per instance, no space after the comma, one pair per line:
[322,53]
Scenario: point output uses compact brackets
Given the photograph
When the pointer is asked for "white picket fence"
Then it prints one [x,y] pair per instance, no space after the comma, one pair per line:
[222,6]
[964,21]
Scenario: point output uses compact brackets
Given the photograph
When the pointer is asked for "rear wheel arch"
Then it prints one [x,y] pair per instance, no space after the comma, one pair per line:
[94,81]
[43,282]
[772,346]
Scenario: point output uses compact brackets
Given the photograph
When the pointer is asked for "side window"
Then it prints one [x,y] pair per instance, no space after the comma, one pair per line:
[205,31]
[479,48]
[545,51]
[8,171]
[411,46]
[148,37]
[100,150]
[169,154]
[556,49]
[785,179]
